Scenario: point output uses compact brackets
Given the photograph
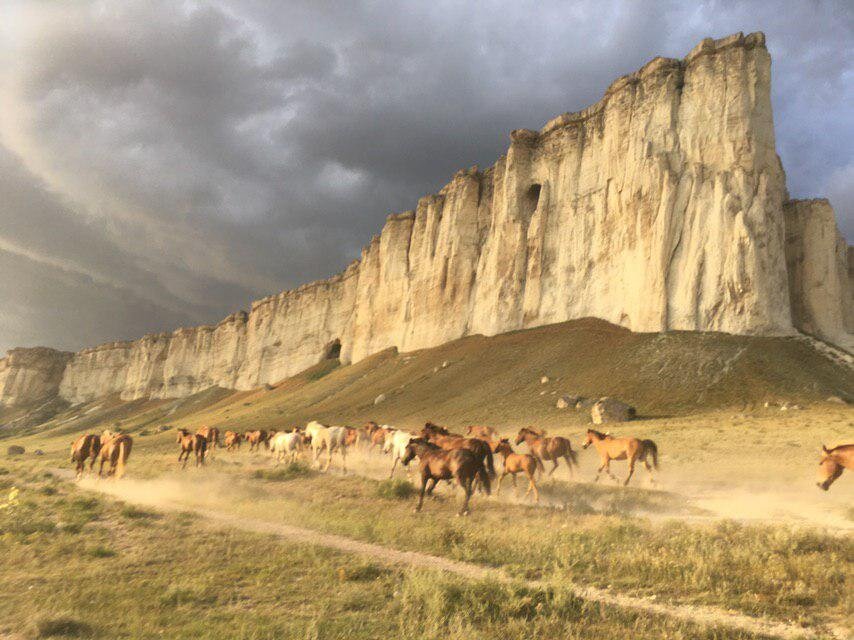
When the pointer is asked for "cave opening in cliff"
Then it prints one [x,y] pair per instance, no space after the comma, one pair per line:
[332,351]
[530,200]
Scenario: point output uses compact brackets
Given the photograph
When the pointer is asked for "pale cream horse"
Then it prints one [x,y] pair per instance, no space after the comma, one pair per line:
[331,438]
[396,442]
[283,444]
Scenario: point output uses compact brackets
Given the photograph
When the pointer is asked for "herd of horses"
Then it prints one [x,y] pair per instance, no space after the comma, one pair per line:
[467,460]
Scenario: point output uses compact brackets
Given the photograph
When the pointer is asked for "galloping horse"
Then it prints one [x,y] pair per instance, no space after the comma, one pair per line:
[516,462]
[377,435]
[548,448]
[479,431]
[115,449]
[441,464]
[396,443]
[631,449]
[86,446]
[211,434]
[256,439]
[447,440]
[331,438]
[232,440]
[832,462]
[191,443]
[284,443]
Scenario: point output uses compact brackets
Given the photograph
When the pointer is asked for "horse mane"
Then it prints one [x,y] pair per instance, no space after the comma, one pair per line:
[435,427]
[599,434]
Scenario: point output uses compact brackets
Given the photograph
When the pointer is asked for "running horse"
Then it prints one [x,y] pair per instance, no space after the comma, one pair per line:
[448,440]
[115,449]
[191,443]
[551,448]
[211,435]
[518,462]
[233,440]
[833,462]
[86,446]
[632,449]
[444,464]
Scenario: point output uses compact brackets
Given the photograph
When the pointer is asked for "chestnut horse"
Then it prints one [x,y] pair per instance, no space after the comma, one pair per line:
[256,439]
[832,463]
[377,435]
[516,462]
[479,431]
[115,449]
[86,446]
[551,448]
[232,440]
[632,449]
[191,443]
[442,464]
[211,434]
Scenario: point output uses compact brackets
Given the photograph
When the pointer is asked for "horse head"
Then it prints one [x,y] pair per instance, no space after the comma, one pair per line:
[503,447]
[828,469]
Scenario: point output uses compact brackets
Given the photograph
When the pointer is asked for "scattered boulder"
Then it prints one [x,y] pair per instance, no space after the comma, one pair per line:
[836,400]
[164,427]
[38,452]
[544,380]
[380,398]
[269,387]
[15,450]
[568,400]
[446,364]
[611,410]
[562,402]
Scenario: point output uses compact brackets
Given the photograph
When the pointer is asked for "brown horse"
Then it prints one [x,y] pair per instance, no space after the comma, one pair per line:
[233,440]
[256,439]
[354,436]
[551,448]
[376,435]
[482,432]
[832,463]
[442,464]
[115,449]
[211,434]
[631,449]
[516,462]
[191,443]
[86,446]
[448,440]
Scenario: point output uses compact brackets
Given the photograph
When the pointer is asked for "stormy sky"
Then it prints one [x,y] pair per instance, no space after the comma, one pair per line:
[163,163]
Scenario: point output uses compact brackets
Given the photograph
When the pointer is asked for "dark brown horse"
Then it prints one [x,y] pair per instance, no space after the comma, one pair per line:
[191,443]
[516,462]
[448,440]
[115,449]
[551,448]
[632,449]
[256,439]
[211,434]
[832,463]
[442,464]
[86,446]
[233,440]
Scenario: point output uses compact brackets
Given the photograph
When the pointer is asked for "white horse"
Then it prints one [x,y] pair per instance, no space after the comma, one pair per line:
[284,443]
[332,438]
[396,442]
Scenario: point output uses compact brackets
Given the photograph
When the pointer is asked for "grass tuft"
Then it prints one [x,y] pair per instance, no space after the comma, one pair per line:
[63,627]
[395,489]
[283,474]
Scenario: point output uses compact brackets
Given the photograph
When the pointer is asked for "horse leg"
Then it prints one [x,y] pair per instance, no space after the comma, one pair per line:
[533,486]
[393,467]
[608,471]
[600,469]
[425,479]
[649,470]
[498,488]
[467,487]
[554,468]
[631,471]
[344,459]
[515,486]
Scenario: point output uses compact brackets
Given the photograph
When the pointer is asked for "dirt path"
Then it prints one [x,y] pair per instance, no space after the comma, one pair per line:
[698,614]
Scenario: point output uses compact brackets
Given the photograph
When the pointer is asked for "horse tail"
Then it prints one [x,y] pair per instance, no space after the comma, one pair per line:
[484,477]
[573,455]
[120,463]
[490,465]
[540,466]
[650,447]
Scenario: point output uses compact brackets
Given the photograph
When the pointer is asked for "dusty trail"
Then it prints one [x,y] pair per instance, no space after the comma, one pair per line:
[140,492]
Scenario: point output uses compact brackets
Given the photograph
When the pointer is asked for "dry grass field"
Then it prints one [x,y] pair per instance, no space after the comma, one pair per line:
[734,522]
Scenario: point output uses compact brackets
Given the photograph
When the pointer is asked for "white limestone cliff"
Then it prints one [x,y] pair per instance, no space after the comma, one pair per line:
[661,207]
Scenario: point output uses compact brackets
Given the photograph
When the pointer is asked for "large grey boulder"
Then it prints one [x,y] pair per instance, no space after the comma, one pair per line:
[611,410]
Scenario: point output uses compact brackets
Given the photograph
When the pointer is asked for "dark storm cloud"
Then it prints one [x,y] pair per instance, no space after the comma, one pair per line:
[167,162]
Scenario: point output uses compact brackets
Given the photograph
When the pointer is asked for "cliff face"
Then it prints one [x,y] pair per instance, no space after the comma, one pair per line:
[660,207]
[31,375]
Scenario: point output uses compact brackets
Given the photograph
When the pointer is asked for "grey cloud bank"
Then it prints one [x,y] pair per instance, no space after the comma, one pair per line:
[163,164]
